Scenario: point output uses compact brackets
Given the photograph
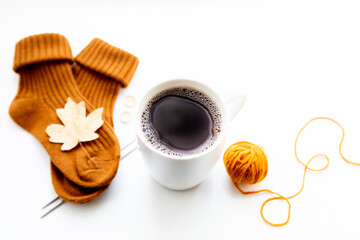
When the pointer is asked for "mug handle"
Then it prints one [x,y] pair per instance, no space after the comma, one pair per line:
[235,105]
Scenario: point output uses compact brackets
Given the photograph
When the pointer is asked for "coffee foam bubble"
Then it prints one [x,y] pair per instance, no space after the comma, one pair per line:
[189,93]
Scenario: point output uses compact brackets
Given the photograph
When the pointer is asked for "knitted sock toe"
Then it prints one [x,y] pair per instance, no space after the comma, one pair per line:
[72,192]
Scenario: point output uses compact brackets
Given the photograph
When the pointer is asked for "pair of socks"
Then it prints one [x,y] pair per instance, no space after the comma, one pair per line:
[49,75]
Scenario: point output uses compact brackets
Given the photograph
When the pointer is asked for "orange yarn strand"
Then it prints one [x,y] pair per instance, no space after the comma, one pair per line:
[246,163]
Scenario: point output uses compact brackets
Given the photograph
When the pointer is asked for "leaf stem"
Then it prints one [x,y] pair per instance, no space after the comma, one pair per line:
[88,155]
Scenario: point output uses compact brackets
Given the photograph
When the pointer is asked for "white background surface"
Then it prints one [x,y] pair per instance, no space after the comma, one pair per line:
[295,60]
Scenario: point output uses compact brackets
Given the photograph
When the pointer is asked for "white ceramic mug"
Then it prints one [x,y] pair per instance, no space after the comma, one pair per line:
[184,172]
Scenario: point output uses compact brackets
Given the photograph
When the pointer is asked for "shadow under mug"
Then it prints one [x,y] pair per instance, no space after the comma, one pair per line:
[184,172]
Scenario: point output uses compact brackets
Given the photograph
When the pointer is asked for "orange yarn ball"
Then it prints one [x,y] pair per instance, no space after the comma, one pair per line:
[246,163]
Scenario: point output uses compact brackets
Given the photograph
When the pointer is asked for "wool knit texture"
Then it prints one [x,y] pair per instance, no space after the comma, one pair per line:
[100,71]
[46,81]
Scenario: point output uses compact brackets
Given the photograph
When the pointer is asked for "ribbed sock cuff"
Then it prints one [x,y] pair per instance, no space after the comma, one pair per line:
[111,61]
[40,48]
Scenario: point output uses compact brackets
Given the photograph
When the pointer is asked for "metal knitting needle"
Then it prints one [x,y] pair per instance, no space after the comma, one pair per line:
[58,205]
[62,201]
[51,202]
[136,147]
[128,144]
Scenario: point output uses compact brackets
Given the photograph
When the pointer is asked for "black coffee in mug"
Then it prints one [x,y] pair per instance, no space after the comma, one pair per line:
[181,121]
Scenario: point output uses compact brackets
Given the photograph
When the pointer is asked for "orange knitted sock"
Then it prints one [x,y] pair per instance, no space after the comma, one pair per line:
[100,71]
[46,81]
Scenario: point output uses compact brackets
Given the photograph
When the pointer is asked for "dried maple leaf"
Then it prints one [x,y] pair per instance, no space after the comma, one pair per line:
[77,127]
